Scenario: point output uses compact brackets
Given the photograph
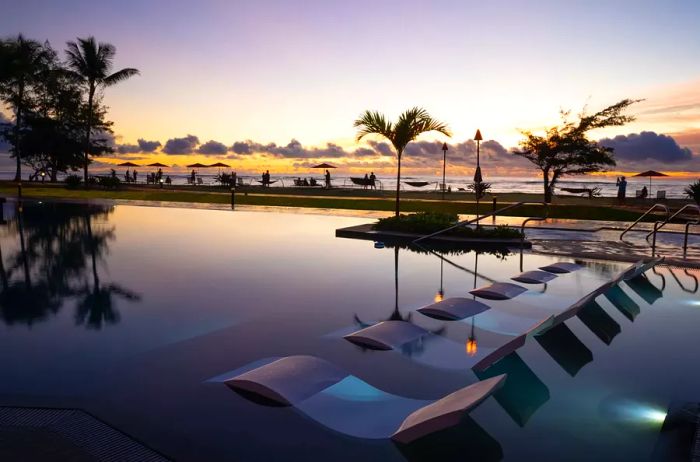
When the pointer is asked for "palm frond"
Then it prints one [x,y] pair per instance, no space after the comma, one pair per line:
[120,76]
[373,122]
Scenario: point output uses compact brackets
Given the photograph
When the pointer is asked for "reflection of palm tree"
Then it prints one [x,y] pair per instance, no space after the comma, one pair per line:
[97,306]
[51,264]
[21,300]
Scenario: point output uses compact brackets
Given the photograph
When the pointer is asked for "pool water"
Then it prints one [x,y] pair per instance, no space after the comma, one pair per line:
[131,313]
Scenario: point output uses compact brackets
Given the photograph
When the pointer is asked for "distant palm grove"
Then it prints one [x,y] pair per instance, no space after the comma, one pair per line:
[59,119]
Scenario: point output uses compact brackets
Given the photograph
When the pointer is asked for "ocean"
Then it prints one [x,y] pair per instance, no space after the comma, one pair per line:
[672,185]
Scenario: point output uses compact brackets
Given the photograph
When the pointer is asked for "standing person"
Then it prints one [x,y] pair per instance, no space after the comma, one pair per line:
[328,179]
[135,173]
[159,175]
[621,189]
[127,177]
[233,178]
[193,177]
[373,180]
[366,182]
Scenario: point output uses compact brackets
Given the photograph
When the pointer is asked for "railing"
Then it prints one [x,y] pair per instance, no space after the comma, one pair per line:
[494,213]
[681,210]
[651,209]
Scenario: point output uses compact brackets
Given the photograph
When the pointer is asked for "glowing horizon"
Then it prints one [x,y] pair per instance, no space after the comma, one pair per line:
[272,71]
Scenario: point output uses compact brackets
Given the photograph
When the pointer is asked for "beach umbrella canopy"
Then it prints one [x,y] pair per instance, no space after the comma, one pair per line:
[197,165]
[650,174]
[220,164]
[127,164]
[157,164]
[323,165]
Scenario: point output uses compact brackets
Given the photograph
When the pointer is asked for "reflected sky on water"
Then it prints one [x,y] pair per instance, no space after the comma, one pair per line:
[128,311]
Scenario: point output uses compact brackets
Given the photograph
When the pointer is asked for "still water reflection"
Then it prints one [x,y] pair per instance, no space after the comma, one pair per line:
[57,259]
[127,312]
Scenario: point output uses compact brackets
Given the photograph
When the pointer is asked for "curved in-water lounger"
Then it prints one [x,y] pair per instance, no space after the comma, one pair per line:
[347,404]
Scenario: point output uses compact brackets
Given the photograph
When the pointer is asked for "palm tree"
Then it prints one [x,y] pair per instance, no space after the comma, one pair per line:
[22,61]
[91,63]
[410,125]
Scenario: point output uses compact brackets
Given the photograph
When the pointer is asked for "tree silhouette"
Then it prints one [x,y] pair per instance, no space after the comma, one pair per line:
[91,63]
[411,124]
[22,62]
[566,150]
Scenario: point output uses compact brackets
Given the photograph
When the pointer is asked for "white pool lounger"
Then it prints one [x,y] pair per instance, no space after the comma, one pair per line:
[446,412]
[387,335]
[561,267]
[289,380]
[454,309]
[499,291]
[342,402]
[534,277]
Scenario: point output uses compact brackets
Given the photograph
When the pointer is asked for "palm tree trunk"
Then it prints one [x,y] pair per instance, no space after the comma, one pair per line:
[398,183]
[547,189]
[18,119]
[87,133]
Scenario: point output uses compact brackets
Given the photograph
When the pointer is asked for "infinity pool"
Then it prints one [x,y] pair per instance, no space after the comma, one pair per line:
[131,314]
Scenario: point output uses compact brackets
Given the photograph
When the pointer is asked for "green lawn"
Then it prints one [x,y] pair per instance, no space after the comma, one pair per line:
[563,207]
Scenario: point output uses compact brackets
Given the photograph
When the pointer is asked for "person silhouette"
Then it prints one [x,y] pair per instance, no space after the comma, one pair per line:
[373,180]
[621,189]
[328,179]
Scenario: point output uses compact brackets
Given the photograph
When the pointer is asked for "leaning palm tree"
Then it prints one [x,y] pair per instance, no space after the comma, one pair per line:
[409,126]
[91,63]
[22,62]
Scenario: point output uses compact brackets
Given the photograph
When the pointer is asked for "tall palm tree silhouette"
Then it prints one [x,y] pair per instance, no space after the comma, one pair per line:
[91,63]
[22,61]
[407,128]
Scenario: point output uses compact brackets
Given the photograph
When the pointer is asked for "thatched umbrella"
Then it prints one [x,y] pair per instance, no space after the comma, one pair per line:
[127,164]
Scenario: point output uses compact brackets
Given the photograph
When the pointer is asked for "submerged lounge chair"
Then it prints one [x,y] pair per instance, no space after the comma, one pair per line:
[333,397]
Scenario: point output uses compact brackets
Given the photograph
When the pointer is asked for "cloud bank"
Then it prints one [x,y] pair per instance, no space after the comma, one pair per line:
[184,145]
[647,146]
[212,147]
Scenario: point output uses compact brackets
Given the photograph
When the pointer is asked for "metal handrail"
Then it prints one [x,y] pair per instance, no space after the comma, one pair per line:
[681,210]
[481,217]
[651,209]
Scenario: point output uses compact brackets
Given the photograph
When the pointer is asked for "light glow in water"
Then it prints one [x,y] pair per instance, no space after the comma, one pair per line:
[653,415]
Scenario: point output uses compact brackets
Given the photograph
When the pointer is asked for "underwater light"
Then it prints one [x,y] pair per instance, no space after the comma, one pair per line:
[653,415]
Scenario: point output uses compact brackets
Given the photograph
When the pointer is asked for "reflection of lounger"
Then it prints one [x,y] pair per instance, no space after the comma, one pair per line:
[565,348]
[523,393]
[347,404]
[645,289]
[622,302]
[599,322]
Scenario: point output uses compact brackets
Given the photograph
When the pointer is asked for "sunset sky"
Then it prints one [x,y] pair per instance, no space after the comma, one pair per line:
[245,75]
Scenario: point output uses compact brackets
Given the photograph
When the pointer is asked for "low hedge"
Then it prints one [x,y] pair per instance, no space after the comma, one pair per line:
[430,222]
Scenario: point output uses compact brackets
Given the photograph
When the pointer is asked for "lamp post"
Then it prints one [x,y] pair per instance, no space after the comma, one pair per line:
[477,174]
[444,164]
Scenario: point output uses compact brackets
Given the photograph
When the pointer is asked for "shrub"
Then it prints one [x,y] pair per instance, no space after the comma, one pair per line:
[479,189]
[108,182]
[693,191]
[430,222]
[73,181]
